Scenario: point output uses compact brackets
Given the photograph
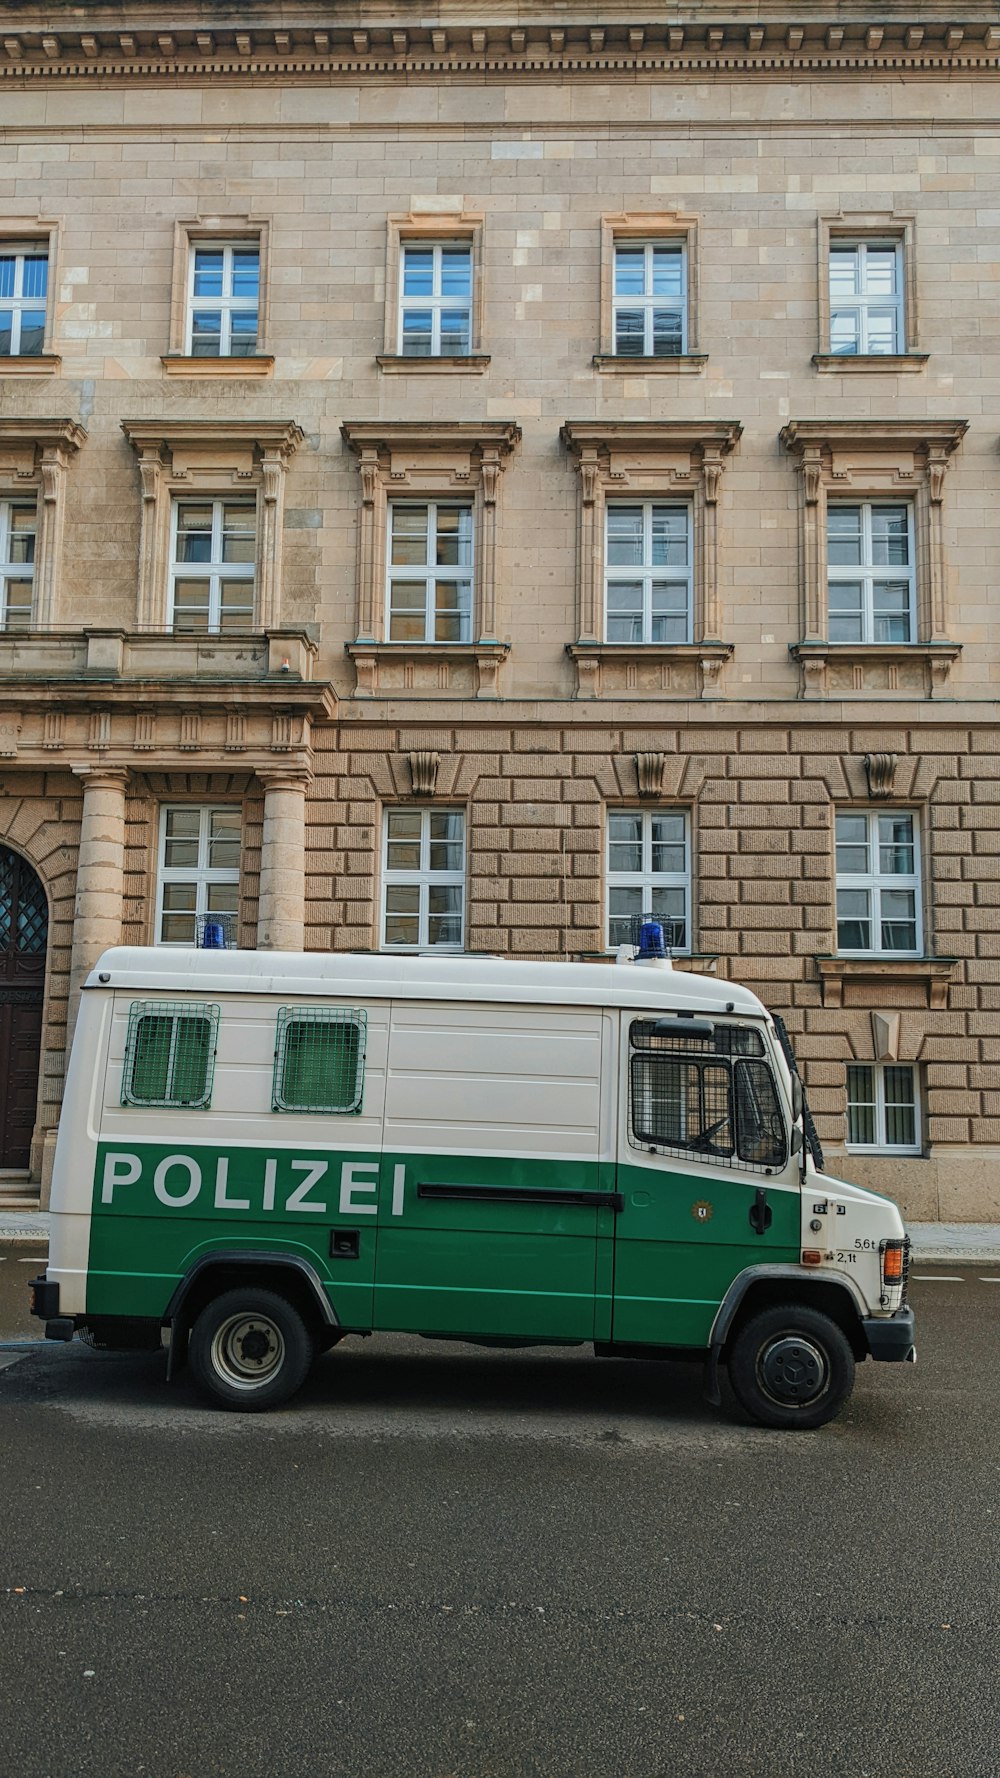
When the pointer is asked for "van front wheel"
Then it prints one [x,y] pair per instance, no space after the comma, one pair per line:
[791,1366]
[250,1350]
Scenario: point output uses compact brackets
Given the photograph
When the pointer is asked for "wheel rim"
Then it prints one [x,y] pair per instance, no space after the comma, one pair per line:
[248,1351]
[792,1370]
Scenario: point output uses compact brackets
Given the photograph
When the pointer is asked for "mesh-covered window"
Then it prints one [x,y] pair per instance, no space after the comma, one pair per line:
[170,1054]
[319,1062]
[684,1103]
[760,1127]
[718,1104]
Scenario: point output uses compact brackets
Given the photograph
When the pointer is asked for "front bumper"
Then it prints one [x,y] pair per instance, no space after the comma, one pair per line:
[890,1339]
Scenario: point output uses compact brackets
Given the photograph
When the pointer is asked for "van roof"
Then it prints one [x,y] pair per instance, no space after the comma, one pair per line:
[372,976]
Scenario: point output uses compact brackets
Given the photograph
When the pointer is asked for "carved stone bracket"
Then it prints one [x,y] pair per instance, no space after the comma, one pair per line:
[423,772]
[649,768]
[880,771]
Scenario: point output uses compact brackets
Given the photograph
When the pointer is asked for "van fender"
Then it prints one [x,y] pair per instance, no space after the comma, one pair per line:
[237,1256]
[744,1281]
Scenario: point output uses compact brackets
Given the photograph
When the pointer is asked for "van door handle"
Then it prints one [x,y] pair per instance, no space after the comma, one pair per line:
[345,1243]
[761,1214]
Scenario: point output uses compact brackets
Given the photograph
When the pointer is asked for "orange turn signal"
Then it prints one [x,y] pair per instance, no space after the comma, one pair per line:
[811,1256]
[892,1262]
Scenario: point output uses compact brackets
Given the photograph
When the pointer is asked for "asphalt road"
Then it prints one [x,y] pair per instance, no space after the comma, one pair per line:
[446,1563]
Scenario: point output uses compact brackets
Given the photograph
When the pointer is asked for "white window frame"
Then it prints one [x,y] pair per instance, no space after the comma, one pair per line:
[870,574]
[423,878]
[203,875]
[863,302]
[646,878]
[649,575]
[214,571]
[413,573]
[227,305]
[435,303]
[874,881]
[880,1144]
[19,571]
[18,303]
[648,303]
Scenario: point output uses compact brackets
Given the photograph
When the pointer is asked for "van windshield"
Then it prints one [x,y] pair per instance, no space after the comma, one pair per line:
[708,1097]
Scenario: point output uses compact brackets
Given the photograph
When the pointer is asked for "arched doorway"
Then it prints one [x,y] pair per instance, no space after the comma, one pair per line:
[24,931]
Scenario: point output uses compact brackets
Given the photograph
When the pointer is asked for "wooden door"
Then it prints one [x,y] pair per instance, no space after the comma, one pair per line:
[24,924]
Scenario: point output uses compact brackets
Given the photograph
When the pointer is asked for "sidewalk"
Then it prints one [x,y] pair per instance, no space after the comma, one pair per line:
[961,1243]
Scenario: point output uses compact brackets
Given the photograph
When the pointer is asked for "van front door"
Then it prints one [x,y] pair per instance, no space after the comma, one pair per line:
[707,1181]
[493,1189]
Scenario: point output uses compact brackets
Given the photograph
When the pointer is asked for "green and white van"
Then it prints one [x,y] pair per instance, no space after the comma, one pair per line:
[261,1153]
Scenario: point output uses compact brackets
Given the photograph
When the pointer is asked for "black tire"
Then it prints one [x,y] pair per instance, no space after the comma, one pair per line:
[249,1350]
[791,1366]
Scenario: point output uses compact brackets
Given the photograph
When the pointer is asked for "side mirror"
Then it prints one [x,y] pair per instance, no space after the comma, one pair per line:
[798,1099]
[797,1139]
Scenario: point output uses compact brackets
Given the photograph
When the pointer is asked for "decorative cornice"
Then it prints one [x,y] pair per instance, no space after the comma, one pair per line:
[45,434]
[281,436]
[441,435]
[195,47]
[866,435]
[650,435]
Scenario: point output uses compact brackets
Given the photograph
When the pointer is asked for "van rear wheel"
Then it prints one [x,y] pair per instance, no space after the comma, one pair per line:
[249,1350]
[791,1366]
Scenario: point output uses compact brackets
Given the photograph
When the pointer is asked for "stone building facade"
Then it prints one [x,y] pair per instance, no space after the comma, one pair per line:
[464,479]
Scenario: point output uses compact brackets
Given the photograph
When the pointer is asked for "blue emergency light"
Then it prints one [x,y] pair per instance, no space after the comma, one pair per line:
[650,940]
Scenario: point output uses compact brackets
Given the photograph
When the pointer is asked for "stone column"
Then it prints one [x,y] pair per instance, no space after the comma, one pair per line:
[282,915]
[100,874]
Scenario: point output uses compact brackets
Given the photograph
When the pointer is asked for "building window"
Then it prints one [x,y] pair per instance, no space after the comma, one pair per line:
[871,580]
[212,559]
[866,298]
[883,1110]
[878,884]
[648,573]
[435,300]
[424,879]
[650,299]
[18,525]
[649,872]
[24,284]
[430,573]
[199,876]
[223,300]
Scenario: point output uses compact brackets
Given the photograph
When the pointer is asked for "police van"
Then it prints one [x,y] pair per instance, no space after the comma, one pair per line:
[262,1153]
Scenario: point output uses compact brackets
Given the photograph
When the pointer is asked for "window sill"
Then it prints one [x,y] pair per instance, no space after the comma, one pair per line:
[933,973]
[685,669]
[176,364]
[871,362]
[914,669]
[681,363]
[467,364]
[45,365]
[444,667]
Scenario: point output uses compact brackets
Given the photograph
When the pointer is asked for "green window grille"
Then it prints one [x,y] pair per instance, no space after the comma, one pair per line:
[319,1062]
[170,1054]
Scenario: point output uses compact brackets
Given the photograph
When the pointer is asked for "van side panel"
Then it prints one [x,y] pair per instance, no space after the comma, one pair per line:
[490,1102]
[173,1184]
